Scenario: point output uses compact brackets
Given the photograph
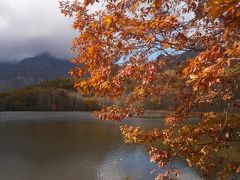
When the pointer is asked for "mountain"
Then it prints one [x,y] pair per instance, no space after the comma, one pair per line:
[5,68]
[32,70]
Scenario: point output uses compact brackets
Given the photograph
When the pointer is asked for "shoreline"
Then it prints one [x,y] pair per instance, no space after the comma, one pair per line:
[155,115]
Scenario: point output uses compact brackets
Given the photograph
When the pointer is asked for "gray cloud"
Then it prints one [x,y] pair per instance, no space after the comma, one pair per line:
[30,27]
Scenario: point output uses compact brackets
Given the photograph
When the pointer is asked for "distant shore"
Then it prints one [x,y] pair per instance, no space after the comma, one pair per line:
[149,114]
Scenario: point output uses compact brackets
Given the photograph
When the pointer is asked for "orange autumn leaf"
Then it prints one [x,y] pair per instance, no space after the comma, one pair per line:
[181,56]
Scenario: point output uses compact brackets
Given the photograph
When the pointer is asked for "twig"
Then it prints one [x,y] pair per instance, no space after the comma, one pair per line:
[226,117]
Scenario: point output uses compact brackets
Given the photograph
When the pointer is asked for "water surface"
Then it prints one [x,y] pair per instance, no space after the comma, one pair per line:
[71,146]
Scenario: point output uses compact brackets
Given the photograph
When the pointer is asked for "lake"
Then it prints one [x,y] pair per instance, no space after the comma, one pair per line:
[72,146]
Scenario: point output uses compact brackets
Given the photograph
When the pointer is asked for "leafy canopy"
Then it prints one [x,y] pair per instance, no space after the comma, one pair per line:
[139,42]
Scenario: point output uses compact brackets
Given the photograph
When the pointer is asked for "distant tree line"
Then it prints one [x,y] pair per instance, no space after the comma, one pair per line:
[60,95]
[50,95]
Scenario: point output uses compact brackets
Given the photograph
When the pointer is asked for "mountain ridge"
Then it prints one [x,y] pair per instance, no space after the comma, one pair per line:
[31,71]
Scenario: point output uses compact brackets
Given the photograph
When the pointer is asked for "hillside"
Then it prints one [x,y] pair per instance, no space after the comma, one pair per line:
[49,95]
[32,71]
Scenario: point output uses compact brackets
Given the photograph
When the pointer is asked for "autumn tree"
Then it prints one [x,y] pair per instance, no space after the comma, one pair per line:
[134,42]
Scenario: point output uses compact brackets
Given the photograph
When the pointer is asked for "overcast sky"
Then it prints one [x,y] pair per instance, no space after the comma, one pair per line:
[30,27]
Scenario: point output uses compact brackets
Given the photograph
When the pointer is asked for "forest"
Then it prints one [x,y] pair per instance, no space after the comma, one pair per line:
[49,96]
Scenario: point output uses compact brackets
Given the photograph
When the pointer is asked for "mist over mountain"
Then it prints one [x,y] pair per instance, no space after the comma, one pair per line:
[32,70]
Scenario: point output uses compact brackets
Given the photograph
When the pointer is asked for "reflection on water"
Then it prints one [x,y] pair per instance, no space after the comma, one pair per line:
[69,146]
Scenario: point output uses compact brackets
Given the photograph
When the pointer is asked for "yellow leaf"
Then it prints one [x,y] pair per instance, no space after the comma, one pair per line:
[193,76]
[215,11]
[108,21]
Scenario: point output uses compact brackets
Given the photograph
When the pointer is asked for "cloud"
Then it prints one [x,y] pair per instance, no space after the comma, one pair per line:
[30,27]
